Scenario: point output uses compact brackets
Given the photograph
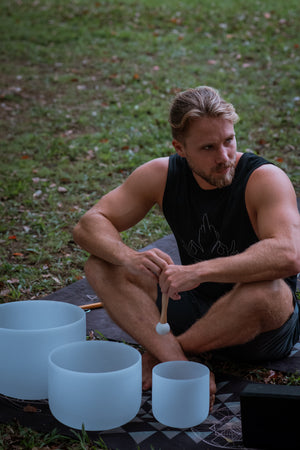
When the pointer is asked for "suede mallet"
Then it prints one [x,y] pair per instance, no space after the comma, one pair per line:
[163,327]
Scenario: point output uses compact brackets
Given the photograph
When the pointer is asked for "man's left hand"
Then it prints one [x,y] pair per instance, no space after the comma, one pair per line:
[177,278]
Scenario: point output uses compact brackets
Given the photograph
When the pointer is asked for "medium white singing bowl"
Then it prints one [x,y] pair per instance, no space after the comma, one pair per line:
[97,384]
[180,393]
[29,331]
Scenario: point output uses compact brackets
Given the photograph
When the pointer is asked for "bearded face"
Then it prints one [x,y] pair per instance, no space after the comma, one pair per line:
[210,150]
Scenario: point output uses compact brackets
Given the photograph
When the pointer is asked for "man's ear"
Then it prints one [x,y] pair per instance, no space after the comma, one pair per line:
[178,147]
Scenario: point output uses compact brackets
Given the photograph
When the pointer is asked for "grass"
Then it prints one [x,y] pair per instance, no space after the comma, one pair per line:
[84,95]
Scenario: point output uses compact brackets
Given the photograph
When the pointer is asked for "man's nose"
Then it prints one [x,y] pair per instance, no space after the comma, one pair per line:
[222,155]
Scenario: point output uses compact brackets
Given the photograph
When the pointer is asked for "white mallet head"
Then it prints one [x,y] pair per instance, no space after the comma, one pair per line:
[162,328]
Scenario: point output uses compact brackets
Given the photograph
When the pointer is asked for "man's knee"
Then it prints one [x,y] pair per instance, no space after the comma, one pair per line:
[97,269]
[105,275]
[271,301]
[93,268]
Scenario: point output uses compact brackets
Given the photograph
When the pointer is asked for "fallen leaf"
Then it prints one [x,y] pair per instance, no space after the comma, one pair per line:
[12,237]
[136,76]
[56,280]
[272,375]
[176,20]
[67,133]
[37,193]
[262,142]
[30,408]
[90,155]
[13,281]
[78,277]
[62,189]
[92,336]
[4,292]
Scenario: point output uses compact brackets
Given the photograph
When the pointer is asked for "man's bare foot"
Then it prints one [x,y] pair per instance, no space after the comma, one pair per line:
[148,362]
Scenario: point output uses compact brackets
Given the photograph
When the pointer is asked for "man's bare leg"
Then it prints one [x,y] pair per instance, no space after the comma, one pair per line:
[133,308]
[239,316]
[131,304]
[236,318]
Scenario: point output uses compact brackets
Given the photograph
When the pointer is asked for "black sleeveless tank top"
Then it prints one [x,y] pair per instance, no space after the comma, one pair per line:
[210,223]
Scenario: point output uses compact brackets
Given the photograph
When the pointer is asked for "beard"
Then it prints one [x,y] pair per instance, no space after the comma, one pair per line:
[216,177]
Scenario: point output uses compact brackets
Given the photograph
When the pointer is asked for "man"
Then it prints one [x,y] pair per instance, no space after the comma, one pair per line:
[236,223]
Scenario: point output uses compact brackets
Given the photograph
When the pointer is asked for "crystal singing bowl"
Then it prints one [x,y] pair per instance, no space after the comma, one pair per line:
[29,330]
[97,384]
[180,393]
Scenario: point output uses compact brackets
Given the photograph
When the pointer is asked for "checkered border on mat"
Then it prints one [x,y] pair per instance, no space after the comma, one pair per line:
[222,428]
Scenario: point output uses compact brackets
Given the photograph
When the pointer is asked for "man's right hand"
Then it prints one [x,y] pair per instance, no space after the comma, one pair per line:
[149,262]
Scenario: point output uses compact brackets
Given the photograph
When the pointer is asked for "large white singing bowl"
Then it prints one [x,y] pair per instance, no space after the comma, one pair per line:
[180,393]
[97,384]
[29,330]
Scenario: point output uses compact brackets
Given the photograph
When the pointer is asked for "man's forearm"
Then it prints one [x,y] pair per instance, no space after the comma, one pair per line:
[266,260]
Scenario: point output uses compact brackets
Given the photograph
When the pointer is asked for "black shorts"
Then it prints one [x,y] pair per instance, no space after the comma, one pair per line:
[271,345]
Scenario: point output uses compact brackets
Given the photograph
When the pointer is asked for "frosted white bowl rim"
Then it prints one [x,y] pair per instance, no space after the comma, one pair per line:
[41,330]
[95,343]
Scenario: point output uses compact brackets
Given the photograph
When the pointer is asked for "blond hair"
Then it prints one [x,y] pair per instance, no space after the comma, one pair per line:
[191,104]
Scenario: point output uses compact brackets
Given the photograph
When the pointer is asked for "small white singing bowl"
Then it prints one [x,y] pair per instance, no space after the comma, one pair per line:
[29,331]
[97,384]
[180,393]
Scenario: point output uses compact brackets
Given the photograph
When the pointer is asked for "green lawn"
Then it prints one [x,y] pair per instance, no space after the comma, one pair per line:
[85,90]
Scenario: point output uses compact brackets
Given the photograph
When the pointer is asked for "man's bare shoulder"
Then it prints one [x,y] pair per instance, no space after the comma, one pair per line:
[270,196]
[150,179]
[157,164]
[270,180]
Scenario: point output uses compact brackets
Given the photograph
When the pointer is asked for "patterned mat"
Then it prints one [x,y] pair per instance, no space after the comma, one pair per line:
[222,428]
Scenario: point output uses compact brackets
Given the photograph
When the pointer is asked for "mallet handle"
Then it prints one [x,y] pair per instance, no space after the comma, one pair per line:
[92,305]
[164,308]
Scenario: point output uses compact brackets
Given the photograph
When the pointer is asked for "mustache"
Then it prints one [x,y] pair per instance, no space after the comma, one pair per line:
[221,167]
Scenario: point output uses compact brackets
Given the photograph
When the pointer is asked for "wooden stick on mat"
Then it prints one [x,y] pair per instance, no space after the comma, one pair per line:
[92,305]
